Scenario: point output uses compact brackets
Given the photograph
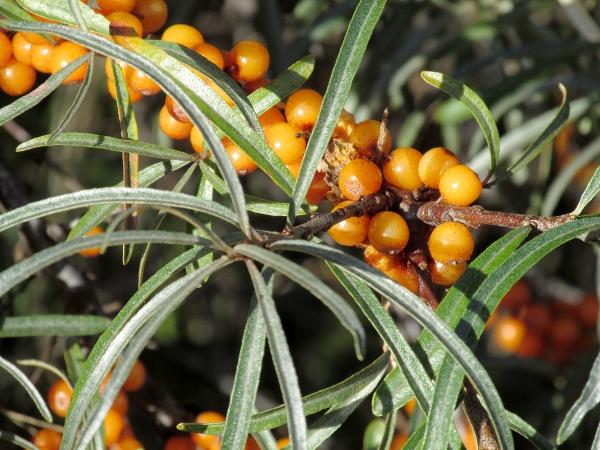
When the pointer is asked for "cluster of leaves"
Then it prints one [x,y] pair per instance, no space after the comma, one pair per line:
[443,351]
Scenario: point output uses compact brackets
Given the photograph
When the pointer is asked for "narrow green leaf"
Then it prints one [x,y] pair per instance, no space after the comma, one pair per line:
[247,374]
[13,11]
[390,429]
[541,142]
[29,388]
[529,433]
[13,438]
[591,190]
[349,58]
[477,107]
[52,325]
[60,11]
[107,143]
[590,397]
[284,365]
[309,281]
[415,441]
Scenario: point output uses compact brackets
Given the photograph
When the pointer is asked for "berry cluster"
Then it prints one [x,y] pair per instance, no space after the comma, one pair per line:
[554,330]
[118,435]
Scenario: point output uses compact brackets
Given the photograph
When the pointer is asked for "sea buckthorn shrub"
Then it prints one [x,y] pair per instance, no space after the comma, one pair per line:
[281,155]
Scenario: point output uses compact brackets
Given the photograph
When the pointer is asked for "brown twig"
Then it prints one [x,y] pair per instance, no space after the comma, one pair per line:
[480,420]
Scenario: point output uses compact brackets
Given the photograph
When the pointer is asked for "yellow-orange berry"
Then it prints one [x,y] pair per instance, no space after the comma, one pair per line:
[248,61]
[179,443]
[378,260]
[211,53]
[126,17]
[460,186]
[508,333]
[5,49]
[302,108]
[446,274]
[46,439]
[365,135]
[242,163]
[152,14]
[318,186]
[205,440]
[402,168]
[59,397]
[41,57]
[284,140]
[172,127]
[175,110]
[359,177]
[17,78]
[136,377]
[451,242]
[252,86]
[352,231]
[95,251]
[405,274]
[110,6]
[121,403]
[134,96]
[434,163]
[270,117]
[64,53]
[182,34]
[388,232]
[140,82]
[21,48]
[283,442]
[128,443]
[113,424]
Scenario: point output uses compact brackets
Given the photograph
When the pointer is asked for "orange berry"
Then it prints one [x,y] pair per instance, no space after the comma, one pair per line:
[111,6]
[283,442]
[282,138]
[179,443]
[242,163]
[140,82]
[175,110]
[359,177]
[564,332]
[508,333]
[134,96]
[517,297]
[318,186]
[402,168]
[349,232]
[388,232]
[172,127]
[182,34]
[35,39]
[220,92]
[405,274]
[248,61]
[129,443]
[108,68]
[451,242]
[126,17]
[121,403]
[255,85]
[113,424]
[532,345]
[5,49]
[95,251]
[434,163]
[446,274]
[586,311]
[302,109]
[409,407]
[460,186]
[59,397]
[41,57]
[251,444]
[270,117]
[398,441]
[64,53]
[21,48]
[537,317]
[205,441]
[211,53]
[17,78]
[378,260]
[344,126]
[136,377]
[365,135]
[46,439]
[152,14]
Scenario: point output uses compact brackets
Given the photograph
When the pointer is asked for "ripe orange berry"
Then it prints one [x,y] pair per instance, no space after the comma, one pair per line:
[318,186]
[517,297]
[586,311]
[182,34]
[242,163]
[283,442]
[136,377]
[248,61]
[121,403]
[108,68]
[206,440]
[17,78]
[302,108]
[402,168]
[134,96]
[270,117]
[349,232]
[34,38]
[113,424]
[451,242]
[378,260]
[128,443]
[172,127]
[460,186]
[59,397]
[255,85]
[359,177]
[405,274]
[179,443]
[212,53]
[64,53]
[532,345]
[388,232]
[508,333]
[446,274]
[398,441]
[5,49]
[282,138]
[110,6]
[140,82]
[537,317]
[95,251]
[21,48]
[46,439]
[434,163]
[364,136]
[344,126]
[175,110]
[132,20]
[152,14]
[41,57]
[563,332]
